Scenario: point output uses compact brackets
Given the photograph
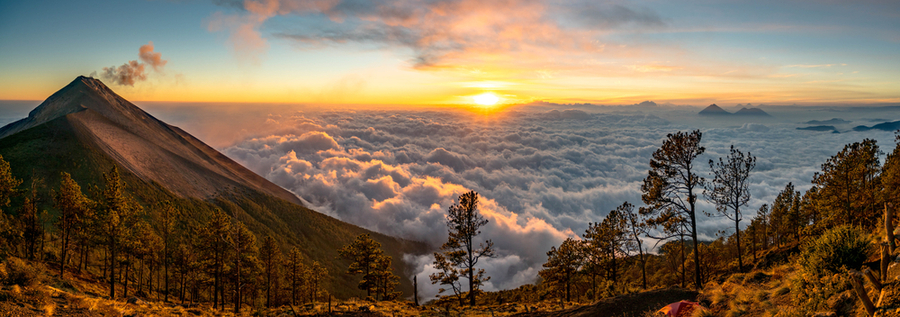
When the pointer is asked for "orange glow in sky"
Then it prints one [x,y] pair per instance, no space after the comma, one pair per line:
[486,99]
[417,52]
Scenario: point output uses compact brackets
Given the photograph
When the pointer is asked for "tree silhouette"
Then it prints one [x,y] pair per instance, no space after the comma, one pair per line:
[890,175]
[294,271]
[847,184]
[459,255]
[72,205]
[117,214]
[8,185]
[364,254]
[270,255]
[563,264]
[730,189]
[669,189]
[636,229]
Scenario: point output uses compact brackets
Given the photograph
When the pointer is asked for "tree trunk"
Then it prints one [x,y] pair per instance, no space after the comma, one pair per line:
[125,280]
[63,251]
[737,231]
[112,268]
[697,282]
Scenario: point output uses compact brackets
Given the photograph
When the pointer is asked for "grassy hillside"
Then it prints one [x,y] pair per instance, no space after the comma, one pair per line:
[44,151]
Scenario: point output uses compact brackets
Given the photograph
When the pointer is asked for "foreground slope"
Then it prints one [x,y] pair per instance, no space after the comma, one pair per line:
[85,129]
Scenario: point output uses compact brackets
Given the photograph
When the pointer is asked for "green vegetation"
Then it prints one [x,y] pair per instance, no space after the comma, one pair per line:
[838,249]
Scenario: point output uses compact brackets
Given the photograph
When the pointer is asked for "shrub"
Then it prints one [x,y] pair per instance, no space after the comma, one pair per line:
[20,272]
[838,249]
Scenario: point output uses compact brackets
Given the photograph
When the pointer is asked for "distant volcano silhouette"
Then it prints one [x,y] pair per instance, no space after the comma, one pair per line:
[714,110]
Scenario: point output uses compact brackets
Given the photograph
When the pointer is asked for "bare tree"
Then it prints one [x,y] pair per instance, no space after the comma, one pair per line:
[730,189]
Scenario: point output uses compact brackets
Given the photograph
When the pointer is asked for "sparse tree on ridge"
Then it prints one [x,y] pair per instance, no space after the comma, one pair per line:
[270,255]
[593,254]
[8,185]
[784,217]
[72,205]
[730,189]
[31,218]
[294,272]
[671,184]
[890,175]
[459,255]
[847,184]
[117,215]
[168,216]
[364,254]
[636,229]
[316,276]
[563,264]
[212,242]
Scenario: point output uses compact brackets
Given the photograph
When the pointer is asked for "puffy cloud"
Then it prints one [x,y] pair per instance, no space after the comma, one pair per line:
[134,71]
[541,179]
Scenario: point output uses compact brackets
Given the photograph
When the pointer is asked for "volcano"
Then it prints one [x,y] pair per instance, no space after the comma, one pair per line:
[149,148]
[85,129]
[714,110]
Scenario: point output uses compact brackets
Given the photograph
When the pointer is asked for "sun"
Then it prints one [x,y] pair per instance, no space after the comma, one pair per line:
[486,99]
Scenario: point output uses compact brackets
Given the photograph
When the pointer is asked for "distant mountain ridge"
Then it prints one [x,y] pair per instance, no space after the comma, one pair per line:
[831,121]
[715,110]
[886,126]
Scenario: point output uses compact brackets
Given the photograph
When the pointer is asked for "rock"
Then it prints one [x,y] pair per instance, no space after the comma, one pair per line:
[135,301]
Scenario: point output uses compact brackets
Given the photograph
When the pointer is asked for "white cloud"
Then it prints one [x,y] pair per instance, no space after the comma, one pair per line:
[541,178]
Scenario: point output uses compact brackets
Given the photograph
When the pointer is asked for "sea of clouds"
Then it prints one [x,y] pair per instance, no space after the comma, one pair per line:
[543,172]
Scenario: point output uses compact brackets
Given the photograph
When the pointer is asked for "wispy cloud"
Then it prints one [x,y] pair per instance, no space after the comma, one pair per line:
[814,65]
[439,32]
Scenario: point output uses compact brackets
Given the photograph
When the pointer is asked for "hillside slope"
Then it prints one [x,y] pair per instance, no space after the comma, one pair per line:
[89,134]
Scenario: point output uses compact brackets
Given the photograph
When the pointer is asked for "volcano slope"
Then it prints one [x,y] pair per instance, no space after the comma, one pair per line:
[85,129]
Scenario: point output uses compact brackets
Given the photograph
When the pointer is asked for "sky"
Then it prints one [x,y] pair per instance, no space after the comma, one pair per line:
[444,52]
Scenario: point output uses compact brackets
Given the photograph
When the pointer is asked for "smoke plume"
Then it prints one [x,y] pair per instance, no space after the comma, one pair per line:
[134,71]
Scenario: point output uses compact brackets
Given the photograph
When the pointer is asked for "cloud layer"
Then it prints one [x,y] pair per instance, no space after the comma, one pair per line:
[542,174]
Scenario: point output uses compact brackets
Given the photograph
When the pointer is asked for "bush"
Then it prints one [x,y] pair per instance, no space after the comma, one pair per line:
[838,249]
[20,272]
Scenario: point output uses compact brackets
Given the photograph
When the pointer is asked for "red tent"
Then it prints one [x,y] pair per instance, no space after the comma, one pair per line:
[681,309]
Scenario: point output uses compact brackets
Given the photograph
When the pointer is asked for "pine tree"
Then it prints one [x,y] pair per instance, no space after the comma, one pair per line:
[167,218]
[295,272]
[316,275]
[72,206]
[117,214]
[385,279]
[562,265]
[243,244]
[213,244]
[270,255]
[363,254]
[459,255]
[636,229]
[890,175]
[670,188]
[730,189]
[848,184]
[9,230]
